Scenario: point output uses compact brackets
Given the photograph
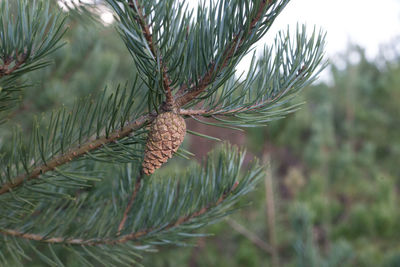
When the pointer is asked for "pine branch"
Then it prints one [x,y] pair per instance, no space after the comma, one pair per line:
[269,84]
[123,238]
[188,93]
[106,131]
[138,35]
[29,33]
[221,112]
[92,144]
[147,34]
[181,207]
[130,203]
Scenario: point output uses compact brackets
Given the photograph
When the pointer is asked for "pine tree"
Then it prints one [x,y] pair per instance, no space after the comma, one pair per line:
[87,179]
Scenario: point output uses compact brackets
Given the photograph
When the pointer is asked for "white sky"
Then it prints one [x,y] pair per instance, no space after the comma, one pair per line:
[368,23]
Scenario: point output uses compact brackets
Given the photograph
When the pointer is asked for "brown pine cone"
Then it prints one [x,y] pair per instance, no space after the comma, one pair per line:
[166,134]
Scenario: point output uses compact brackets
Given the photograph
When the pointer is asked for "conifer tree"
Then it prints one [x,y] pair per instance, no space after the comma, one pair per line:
[88,179]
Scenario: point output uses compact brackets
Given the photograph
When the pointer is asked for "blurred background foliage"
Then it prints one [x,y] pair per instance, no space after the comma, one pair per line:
[336,178]
[334,163]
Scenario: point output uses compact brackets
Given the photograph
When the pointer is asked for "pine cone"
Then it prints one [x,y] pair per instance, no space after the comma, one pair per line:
[166,134]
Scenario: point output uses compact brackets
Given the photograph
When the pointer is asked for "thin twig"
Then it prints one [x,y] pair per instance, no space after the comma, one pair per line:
[130,204]
[270,210]
[120,239]
[216,111]
[250,235]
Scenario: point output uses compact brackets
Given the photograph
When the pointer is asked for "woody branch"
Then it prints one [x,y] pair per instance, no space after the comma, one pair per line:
[146,30]
[121,239]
